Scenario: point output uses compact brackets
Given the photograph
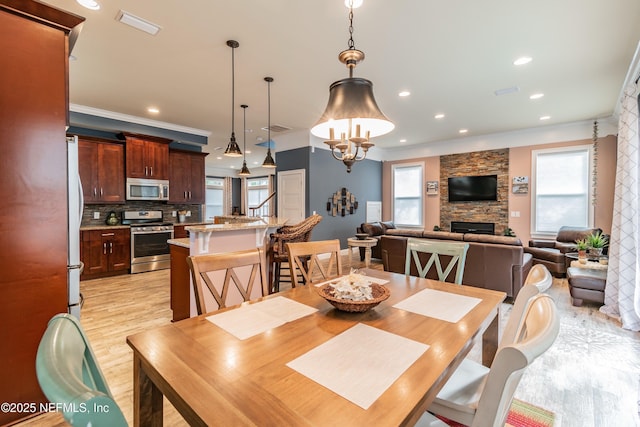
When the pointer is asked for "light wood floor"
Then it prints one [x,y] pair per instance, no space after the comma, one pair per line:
[590,377]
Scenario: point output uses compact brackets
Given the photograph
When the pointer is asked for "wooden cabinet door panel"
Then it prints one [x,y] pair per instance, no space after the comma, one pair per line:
[135,158]
[93,252]
[87,164]
[178,185]
[120,251]
[197,187]
[158,160]
[111,173]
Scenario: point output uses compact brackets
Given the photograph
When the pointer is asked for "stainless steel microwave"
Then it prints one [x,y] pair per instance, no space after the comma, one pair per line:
[147,189]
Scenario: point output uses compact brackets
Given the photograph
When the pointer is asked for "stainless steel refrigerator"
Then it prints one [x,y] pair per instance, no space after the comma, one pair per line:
[76,204]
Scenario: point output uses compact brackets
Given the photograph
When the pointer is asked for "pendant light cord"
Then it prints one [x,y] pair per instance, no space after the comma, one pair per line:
[351,43]
[233,89]
[269,113]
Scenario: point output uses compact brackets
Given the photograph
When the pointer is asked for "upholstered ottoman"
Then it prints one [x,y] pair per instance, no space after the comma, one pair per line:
[586,284]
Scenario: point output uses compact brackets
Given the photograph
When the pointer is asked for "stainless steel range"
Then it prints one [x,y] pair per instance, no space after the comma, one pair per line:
[149,235]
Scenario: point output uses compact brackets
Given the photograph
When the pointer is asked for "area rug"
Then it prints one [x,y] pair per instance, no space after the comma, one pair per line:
[521,414]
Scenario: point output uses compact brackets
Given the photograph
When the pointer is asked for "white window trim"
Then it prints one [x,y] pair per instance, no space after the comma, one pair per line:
[534,157]
[393,195]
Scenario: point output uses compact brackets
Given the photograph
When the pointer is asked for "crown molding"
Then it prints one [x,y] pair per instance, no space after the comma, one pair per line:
[83,109]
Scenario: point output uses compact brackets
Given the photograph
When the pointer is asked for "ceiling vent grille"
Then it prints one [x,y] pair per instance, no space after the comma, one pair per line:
[277,128]
[138,23]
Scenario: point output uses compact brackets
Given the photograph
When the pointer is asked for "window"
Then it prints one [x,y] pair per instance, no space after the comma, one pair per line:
[257,192]
[407,195]
[214,197]
[562,193]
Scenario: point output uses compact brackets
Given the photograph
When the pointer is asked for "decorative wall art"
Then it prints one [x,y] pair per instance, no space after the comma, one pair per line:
[520,185]
[432,188]
[341,203]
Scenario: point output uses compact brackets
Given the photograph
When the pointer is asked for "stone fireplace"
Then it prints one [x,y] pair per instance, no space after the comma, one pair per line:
[491,162]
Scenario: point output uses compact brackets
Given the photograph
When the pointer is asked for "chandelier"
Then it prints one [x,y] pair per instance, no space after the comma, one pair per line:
[352,116]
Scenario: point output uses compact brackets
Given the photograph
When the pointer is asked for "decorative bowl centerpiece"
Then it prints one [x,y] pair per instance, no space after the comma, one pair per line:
[362,236]
[353,293]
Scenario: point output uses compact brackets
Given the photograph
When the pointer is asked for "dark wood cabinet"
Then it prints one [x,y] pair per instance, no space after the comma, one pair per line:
[147,157]
[101,171]
[186,177]
[34,47]
[179,232]
[105,252]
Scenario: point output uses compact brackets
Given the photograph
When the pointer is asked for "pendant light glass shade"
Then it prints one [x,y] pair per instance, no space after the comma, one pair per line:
[268,160]
[352,115]
[232,150]
[245,170]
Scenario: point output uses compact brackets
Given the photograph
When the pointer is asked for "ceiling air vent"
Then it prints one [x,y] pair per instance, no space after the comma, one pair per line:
[138,23]
[277,128]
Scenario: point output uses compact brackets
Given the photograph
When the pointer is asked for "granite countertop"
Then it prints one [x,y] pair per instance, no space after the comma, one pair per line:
[103,227]
[184,242]
[257,224]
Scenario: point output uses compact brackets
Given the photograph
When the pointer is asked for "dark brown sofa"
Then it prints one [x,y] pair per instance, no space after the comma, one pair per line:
[374,230]
[550,253]
[493,262]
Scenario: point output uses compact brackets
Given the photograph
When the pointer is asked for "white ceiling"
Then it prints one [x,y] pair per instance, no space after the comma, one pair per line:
[451,55]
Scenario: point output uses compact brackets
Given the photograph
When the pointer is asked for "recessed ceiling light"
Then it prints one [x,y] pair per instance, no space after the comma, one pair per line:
[403,140]
[522,60]
[255,163]
[404,93]
[536,96]
[439,116]
[89,4]
[137,23]
[153,110]
[353,3]
[545,117]
[248,151]
[463,130]
[219,158]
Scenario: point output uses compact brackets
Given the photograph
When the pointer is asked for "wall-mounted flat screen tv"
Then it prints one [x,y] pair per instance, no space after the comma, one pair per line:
[473,188]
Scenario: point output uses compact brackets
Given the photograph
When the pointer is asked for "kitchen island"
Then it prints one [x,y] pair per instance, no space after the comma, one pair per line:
[211,238]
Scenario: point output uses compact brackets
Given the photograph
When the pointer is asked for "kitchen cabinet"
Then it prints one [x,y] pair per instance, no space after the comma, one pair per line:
[179,232]
[105,252]
[35,42]
[186,177]
[101,170]
[146,157]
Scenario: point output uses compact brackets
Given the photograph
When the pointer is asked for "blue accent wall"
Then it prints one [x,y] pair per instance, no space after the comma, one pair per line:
[325,176]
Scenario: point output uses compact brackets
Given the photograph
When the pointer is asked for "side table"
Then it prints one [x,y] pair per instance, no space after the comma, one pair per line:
[367,244]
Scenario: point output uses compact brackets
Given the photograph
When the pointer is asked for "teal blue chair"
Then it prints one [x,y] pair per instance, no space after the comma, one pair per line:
[69,376]
[456,252]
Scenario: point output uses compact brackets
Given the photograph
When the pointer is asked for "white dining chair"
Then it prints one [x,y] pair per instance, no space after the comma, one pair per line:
[479,396]
[539,276]
[456,252]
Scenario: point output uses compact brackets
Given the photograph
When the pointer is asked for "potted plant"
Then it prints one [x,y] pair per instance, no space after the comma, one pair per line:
[597,241]
[582,246]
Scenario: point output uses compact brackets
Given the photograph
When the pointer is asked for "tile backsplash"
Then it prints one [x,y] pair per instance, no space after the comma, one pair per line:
[167,210]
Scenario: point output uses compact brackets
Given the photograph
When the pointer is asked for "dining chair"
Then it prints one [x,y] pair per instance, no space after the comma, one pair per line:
[235,266]
[69,376]
[540,276]
[305,261]
[479,396]
[277,253]
[455,252]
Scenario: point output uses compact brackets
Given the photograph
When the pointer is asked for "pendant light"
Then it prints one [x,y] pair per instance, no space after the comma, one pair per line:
[232,148]
[268,160]
[245,170]
[352,113]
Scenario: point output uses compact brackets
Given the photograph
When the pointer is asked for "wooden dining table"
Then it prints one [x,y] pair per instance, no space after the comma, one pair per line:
[214,378]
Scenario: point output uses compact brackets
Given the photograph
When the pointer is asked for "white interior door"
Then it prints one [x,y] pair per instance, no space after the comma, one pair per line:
[291,195]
